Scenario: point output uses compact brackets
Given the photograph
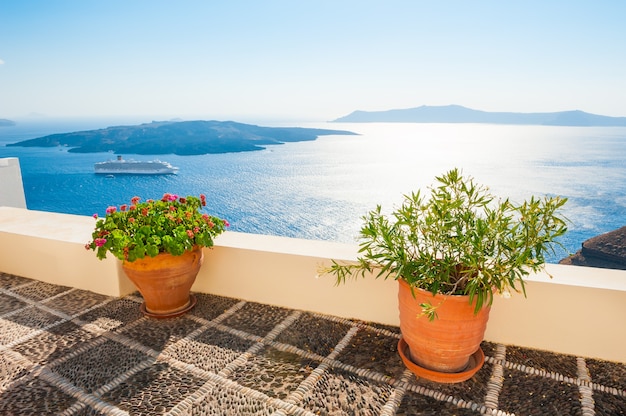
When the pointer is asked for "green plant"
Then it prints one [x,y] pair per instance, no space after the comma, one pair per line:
[170,225]
[460,241]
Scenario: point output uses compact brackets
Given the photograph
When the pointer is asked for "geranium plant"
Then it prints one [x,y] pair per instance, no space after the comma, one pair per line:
[172,225]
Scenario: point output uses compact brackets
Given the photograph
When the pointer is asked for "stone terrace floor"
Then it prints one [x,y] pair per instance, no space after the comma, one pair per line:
[71,352]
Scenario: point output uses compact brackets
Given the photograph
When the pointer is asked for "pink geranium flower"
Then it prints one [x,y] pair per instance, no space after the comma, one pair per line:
[148,228]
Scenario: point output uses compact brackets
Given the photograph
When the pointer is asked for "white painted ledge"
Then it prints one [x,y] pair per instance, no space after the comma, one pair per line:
[579,311]
[11,186]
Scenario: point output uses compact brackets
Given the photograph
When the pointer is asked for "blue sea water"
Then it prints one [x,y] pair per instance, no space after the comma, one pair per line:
[320,189]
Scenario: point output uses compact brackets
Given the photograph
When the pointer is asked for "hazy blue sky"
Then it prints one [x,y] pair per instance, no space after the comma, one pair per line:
[308,60]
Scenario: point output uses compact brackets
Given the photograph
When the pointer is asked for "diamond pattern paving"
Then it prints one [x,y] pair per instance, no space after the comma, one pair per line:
[72,352]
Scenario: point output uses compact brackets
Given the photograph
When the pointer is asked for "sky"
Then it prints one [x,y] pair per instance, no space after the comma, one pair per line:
[308,60]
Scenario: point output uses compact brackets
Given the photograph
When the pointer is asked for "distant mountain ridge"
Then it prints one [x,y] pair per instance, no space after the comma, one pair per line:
[5,123]
[181,138]
[460,114]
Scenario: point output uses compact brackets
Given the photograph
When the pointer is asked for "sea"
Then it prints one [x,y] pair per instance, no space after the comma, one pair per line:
[320,189]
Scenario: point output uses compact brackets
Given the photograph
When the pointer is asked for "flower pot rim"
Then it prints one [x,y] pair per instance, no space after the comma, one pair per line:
[458,298]
[164,254]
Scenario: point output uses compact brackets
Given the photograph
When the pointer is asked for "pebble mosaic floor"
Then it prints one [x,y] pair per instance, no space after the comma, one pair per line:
[65,351]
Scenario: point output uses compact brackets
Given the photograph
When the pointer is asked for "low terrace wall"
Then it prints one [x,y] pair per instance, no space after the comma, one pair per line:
[11,188]
[579,311]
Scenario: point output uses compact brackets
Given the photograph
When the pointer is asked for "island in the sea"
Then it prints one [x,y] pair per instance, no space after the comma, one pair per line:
[5,122]
[180,138]
[460,114]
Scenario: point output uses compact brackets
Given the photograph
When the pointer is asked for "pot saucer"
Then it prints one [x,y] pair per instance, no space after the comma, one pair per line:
[475,363]
[192,303]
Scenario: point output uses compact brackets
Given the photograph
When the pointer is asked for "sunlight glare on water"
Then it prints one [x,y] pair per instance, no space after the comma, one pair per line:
[320,189]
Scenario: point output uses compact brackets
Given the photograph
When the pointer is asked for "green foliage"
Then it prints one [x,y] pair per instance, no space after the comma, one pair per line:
[170,225]
[460,241]
[429,311]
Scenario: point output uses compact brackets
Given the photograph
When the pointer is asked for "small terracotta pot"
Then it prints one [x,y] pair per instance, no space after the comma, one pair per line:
[446,343]
[165,280]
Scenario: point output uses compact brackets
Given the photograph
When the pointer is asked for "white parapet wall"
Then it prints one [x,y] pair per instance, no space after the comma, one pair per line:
[578,311]
[11,185]
[51,247]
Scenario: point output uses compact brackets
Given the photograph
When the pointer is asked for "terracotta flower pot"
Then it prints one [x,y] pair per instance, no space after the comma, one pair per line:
[450,342]
[164,281]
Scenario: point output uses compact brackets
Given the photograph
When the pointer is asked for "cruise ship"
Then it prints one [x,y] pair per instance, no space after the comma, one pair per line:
[134,167]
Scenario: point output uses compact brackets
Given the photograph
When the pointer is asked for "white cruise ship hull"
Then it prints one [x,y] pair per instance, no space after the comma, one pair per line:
[134,167]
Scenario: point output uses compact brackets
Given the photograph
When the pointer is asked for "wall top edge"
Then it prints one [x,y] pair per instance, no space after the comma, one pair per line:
[8,161]
[77,229]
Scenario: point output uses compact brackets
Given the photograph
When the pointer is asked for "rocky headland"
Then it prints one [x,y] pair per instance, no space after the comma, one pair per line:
[607,251]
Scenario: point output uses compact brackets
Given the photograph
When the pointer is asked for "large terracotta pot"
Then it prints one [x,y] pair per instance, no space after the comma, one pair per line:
[449,344]
[164,281]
